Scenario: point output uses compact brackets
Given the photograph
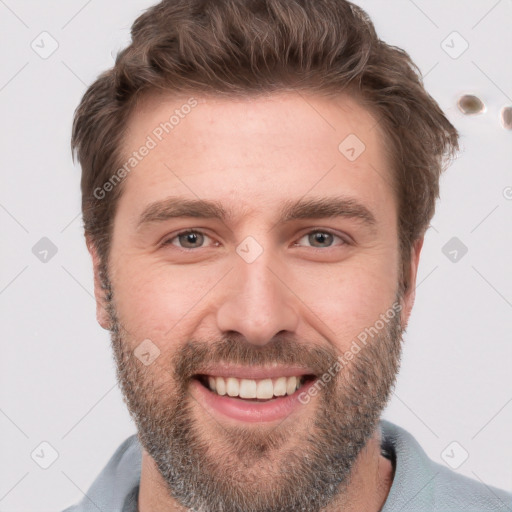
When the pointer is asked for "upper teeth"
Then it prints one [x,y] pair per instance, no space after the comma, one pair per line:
[249,388]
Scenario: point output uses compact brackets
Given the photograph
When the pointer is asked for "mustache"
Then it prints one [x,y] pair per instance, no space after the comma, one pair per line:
[283,350]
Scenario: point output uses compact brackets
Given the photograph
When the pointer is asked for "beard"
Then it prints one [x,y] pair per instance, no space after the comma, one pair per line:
[302,464]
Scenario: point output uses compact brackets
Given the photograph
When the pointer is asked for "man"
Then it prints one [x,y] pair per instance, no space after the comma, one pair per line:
[257,179]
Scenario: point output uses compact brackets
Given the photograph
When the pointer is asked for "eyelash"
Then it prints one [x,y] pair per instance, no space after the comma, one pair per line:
[198,231]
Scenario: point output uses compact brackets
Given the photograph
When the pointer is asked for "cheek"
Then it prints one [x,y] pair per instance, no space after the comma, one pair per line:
[351,296]
[165,302]
[158,301]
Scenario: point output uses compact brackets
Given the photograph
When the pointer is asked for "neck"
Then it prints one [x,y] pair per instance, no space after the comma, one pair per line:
[370,481]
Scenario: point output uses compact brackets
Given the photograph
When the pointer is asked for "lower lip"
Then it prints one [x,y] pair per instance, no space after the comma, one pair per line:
[244,410]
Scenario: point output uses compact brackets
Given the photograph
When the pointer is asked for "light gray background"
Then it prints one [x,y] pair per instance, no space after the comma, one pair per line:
[57,374]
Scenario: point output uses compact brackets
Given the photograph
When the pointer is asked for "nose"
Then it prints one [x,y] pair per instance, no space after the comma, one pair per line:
[258,303]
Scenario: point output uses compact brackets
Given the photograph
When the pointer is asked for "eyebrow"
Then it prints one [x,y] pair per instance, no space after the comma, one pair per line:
[315,208]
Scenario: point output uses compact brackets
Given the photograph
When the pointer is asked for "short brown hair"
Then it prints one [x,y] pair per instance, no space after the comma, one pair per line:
[250,47]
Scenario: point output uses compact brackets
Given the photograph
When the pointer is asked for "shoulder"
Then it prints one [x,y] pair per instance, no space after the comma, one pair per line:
[116,482]
[422,485]
[454,490]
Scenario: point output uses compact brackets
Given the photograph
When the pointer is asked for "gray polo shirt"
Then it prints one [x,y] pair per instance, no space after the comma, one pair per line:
[419,485]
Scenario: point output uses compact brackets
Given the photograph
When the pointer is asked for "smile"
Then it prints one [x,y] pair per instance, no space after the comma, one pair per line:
[251,400]
[262,389]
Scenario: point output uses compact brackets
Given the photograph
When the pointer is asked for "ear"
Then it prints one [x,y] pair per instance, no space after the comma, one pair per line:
[410,293]
[99,290]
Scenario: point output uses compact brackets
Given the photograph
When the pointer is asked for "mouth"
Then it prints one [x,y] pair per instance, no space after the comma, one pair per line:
[254,390]
[251,400]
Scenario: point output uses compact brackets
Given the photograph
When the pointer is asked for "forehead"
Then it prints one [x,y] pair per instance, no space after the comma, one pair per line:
[255,150]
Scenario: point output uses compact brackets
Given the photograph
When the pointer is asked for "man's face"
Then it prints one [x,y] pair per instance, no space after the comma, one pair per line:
[273,291]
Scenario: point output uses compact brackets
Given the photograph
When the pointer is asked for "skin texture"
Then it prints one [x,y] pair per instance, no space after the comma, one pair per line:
[302,300]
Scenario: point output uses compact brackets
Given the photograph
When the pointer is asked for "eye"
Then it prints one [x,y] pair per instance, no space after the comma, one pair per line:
[195,239]
[191,239]
[320,239]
